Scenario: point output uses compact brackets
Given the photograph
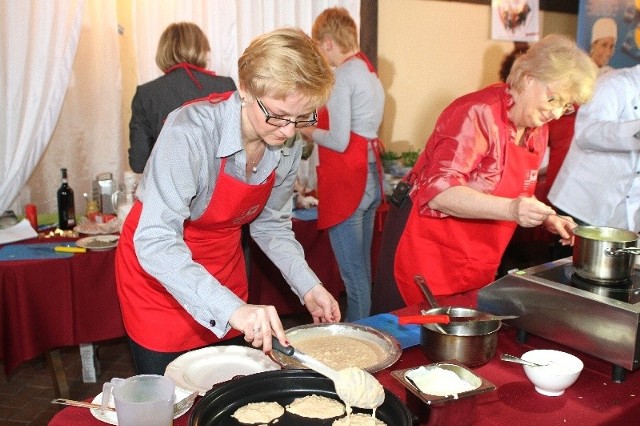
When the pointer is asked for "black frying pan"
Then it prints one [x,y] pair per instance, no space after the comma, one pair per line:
[282,386]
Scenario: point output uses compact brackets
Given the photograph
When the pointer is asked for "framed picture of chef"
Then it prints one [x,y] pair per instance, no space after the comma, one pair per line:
[515,20]
[610,32]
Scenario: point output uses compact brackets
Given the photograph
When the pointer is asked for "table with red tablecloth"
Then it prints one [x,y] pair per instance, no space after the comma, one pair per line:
[593,400]
[47,304]
[51,303]
[266,285]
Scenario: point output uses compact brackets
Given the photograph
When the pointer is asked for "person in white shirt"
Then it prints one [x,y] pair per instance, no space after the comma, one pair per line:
[599,181]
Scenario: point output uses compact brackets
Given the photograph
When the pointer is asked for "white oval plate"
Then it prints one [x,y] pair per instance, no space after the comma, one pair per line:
[111,417]
[98,242]
[201,369]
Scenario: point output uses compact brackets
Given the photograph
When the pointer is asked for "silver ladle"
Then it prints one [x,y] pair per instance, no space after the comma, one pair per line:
[420,281]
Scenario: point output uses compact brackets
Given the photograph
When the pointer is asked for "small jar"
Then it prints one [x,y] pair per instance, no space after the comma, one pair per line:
[92,210]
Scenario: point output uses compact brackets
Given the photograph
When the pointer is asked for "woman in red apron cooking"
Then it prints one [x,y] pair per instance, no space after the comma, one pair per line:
[475,180]
[217,165]
[349,172]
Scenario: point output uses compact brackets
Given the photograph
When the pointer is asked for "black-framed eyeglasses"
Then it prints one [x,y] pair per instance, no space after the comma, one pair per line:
[566,108]
[274,120]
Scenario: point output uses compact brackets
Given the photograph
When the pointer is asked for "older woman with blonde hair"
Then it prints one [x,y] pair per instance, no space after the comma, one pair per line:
[474,182]
[219,164]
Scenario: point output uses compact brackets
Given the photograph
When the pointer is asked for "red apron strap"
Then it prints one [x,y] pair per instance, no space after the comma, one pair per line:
[188,67]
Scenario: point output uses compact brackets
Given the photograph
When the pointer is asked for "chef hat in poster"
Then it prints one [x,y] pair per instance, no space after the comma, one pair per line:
[604,27]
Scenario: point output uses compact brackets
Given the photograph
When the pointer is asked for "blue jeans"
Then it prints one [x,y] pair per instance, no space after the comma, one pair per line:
[351,243]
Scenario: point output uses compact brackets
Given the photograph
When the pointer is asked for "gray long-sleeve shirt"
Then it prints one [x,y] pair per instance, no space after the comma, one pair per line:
[356,104]
[178,184]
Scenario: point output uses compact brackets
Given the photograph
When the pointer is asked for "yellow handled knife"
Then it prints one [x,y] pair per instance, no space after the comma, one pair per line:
[70,249]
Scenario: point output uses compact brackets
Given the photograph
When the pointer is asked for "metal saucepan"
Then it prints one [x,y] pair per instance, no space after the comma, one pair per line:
[603,254]
[282,386]
[470,343]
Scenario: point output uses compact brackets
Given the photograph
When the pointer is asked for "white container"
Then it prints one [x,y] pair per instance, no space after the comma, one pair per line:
[143,400]
[561,370]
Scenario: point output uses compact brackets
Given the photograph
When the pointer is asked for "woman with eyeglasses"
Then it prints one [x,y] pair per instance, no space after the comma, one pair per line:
[475,180]
[219,164]
[349,182]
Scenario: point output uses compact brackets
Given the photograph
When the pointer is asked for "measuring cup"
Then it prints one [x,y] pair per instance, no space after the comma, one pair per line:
[143,400]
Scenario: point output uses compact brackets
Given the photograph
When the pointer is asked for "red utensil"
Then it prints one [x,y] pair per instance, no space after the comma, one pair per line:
[424,319]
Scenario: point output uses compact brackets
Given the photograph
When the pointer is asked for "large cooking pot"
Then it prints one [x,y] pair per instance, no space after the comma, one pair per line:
[283,386]
[470,343]
[604,254]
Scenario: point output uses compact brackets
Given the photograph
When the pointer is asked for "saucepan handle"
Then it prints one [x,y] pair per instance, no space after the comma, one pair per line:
[424,319]
[625,250]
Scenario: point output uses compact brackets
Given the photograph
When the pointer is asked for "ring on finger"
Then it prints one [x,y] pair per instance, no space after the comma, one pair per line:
[257,330]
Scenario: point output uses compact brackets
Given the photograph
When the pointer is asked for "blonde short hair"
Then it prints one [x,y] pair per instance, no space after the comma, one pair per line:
[182,42]
[335,22]
[283,62]
[557,58]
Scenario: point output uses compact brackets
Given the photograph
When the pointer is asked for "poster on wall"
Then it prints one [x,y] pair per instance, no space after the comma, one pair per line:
[515,20]
[610,31]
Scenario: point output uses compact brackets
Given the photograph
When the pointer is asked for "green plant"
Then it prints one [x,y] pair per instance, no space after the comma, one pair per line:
[409,158]
[389,155]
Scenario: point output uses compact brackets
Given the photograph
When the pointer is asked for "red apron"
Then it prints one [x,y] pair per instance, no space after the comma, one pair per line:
[342,177]
[457,255]
[152,317]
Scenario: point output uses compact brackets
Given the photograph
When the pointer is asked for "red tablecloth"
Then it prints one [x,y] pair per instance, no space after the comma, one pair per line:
[266,285]
[593,400]
[50,303]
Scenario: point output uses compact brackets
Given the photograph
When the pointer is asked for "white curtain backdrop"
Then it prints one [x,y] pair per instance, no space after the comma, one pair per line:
[38,42]
[229,25]
[61,70]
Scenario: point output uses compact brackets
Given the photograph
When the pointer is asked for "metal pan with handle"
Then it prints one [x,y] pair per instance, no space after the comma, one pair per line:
[604,254]
[470,343]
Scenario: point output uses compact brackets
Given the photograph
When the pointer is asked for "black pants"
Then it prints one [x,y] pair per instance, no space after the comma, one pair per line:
[147,361]
[385,296]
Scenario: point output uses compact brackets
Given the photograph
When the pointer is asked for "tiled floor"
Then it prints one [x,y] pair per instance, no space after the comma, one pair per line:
[25,396]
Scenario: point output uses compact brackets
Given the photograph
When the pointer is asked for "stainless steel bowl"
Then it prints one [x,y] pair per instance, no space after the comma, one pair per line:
[388,344]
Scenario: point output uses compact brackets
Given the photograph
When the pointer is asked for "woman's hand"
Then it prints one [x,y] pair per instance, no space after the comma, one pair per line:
[529,212]
[321,305]
[258,323]
[562,226]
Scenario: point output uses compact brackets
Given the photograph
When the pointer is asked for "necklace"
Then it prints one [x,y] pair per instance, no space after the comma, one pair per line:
[254,166]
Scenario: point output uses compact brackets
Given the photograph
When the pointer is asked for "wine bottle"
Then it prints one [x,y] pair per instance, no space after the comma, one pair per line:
[66,207]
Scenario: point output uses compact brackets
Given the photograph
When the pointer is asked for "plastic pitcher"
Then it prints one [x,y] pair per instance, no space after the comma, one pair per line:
[143,400]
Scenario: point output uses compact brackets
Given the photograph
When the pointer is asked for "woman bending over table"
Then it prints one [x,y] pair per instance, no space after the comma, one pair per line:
[219,164]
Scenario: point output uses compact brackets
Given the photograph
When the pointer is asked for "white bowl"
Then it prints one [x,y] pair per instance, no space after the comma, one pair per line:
[561,372]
